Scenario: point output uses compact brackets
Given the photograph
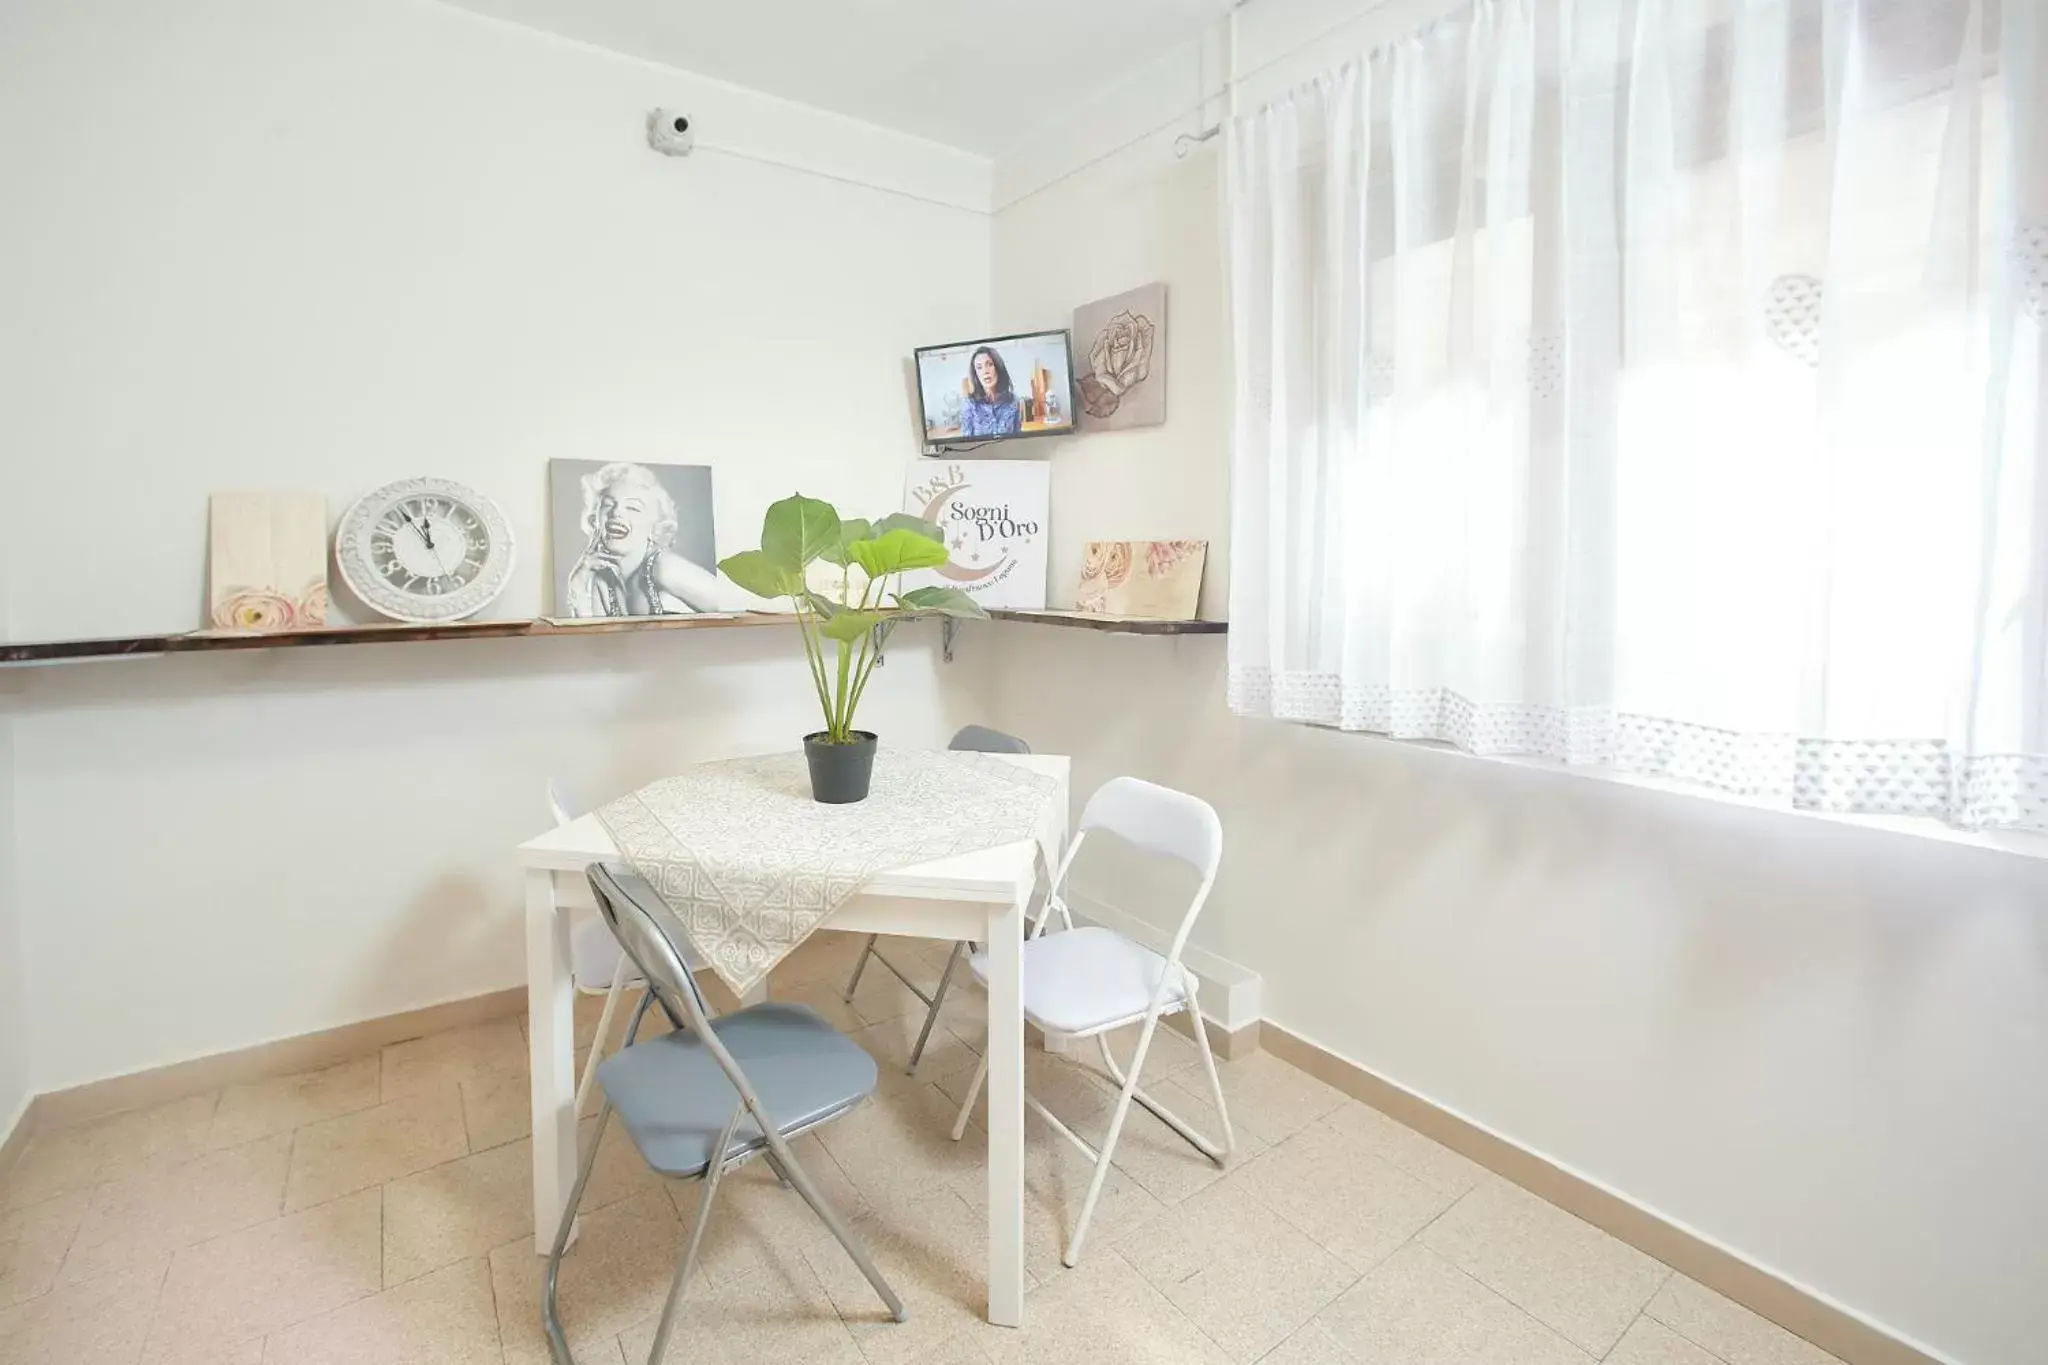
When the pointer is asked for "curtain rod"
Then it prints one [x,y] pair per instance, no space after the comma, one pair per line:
[1187,142]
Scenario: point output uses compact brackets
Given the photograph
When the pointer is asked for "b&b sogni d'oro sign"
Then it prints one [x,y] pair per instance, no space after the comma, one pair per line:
[994,514]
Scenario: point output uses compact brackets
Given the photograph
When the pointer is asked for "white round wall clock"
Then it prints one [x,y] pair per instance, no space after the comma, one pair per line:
[425,550]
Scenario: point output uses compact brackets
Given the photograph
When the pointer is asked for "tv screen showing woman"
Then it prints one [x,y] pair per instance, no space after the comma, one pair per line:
[996,390]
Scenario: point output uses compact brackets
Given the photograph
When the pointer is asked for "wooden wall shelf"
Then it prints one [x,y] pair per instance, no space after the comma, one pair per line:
[208,642]
[211,642]
[1114,625]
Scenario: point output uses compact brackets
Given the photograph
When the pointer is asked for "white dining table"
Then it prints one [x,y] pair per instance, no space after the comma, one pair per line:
[981,896]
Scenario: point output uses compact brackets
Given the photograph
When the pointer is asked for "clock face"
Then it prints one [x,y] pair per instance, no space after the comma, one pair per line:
[425,550]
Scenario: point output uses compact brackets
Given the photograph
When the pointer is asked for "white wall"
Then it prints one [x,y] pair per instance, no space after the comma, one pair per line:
[219,851]
[14,1044]
[282,243]
[1817,1044]
[15,1082]
[346,243]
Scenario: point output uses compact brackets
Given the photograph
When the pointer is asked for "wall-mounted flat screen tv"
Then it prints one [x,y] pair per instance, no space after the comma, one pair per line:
[996,390]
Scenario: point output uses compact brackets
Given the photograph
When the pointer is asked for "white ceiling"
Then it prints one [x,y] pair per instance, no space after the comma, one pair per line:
[975,74]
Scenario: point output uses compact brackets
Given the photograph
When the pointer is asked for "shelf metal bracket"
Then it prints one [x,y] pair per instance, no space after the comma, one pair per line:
[947,625]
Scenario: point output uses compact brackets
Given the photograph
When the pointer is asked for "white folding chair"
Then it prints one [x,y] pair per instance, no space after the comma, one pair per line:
[976,739]
[1084,982]
[597,965]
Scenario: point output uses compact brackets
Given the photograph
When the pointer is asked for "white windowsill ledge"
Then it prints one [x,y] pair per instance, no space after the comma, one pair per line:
[2013,842]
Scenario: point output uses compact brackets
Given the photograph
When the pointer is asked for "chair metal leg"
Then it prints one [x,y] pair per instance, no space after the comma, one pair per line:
[714,1173]
[558,1345]
[867,950]
[633,1024]
[829,1216]
[1116,1127]
[647,998]
[1166,1116]
[604,1028]
[1209,1065]
[973,1094]
[938,1001]
[1059,1125]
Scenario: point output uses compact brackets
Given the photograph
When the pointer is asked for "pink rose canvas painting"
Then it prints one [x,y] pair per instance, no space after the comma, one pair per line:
[1158,579]
[266,564]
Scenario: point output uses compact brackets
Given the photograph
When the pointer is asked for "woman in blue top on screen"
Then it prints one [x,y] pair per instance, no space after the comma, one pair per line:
[991,408]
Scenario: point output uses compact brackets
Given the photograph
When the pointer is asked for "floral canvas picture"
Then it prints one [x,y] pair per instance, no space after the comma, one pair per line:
[1158,579]
[266,563]
[1120,356]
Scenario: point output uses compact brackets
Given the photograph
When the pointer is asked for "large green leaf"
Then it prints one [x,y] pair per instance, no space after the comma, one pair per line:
[897,551]
[823,605]
[761,575]
[944,601]
[903,521]
[850,625]
[798,530]
[850,530]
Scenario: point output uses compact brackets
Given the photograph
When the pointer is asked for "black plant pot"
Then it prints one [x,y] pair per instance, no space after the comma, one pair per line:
[840,772]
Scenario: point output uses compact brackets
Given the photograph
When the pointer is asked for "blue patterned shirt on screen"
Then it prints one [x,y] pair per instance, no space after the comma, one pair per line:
[979,417]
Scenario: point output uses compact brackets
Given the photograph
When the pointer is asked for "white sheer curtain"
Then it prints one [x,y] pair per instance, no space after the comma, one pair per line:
[1657,383]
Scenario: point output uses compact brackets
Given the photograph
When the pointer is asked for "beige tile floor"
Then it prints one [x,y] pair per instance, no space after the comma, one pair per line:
[374,1212]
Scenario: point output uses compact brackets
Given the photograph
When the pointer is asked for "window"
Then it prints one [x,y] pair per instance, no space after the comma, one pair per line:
[1657,385]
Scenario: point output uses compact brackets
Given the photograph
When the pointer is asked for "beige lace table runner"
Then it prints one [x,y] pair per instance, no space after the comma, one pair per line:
[751,864]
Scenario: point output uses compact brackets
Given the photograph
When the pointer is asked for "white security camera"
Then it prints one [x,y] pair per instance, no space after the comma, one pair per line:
[669,133]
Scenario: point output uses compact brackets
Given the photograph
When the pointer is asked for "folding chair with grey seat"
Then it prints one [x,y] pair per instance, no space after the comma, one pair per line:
[974,739]
[712,1095]
[1085,982]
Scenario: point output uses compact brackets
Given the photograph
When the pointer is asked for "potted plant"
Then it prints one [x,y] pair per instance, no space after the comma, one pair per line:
[844,578]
